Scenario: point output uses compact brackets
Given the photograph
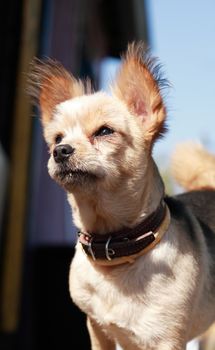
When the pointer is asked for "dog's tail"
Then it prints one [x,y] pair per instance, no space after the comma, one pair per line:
[193,167]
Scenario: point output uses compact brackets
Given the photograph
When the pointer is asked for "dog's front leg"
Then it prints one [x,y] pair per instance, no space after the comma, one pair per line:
[98,338]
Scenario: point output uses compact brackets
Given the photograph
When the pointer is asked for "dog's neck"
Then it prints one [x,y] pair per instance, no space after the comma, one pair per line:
[125,206]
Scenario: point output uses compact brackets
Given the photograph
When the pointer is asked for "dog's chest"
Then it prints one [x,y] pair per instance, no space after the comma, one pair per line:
[102,294]
[117,299]
[134,300]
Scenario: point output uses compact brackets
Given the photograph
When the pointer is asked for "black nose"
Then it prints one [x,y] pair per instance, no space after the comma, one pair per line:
[62,153]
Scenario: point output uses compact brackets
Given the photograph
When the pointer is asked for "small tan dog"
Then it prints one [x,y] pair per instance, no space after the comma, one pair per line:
[143,271]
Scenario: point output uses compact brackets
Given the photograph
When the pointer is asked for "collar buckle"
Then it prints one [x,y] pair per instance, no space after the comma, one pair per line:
[127,244]
[90,249]
[108,251]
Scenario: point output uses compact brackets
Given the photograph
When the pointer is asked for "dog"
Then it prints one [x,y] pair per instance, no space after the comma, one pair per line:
[144,267]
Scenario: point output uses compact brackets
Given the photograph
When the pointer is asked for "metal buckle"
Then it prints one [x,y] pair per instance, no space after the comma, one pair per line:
[90,249]
[108,251]
[89,243]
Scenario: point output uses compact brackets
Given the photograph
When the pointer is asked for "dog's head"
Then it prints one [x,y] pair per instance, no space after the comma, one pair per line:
[96,139]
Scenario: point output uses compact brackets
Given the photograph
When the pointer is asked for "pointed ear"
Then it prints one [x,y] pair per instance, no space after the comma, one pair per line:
[139,85]
[49,84]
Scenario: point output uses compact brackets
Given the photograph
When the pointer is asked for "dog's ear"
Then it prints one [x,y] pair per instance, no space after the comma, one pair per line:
[139,85]
[49,84]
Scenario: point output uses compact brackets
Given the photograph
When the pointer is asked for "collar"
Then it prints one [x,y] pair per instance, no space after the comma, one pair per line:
[126,245]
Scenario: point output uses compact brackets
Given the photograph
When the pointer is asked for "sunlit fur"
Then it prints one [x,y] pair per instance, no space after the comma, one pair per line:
[159,301]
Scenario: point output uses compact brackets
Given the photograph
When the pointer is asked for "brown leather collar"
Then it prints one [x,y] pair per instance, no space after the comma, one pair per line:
[128,242]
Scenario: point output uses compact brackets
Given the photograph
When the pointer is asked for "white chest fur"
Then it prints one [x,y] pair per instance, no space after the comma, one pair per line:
[146,299]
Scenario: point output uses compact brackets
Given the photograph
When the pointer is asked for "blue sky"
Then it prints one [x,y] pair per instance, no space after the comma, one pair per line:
[182,35]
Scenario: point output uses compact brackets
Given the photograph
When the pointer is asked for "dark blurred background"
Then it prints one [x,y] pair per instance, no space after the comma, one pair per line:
[37,235]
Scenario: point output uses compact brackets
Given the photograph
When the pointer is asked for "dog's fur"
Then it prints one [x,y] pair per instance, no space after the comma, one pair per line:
[193,166]
[165,297]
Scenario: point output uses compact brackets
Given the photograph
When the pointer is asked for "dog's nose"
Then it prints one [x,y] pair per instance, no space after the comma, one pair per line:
[62,153]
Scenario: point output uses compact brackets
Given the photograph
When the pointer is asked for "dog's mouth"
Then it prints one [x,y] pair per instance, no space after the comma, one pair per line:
[75,174]
[70,177]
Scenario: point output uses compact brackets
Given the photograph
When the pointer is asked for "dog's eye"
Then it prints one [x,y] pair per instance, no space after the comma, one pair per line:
[103,131]
[58,138]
